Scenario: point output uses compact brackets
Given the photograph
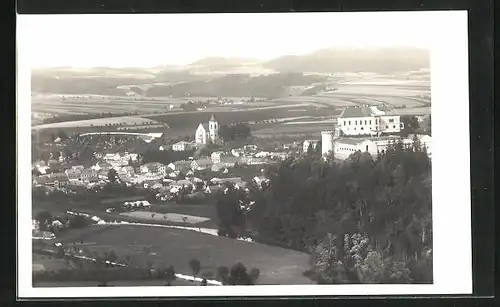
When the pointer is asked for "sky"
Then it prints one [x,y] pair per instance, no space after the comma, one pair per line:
[167,39]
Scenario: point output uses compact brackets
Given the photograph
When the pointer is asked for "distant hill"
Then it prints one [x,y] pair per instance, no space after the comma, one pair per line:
[380,60]
[220,62]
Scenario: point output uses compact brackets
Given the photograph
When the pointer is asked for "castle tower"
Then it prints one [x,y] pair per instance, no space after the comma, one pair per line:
[213,129]
[326,141]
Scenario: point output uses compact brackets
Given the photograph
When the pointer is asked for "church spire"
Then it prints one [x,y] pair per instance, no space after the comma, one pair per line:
[212,118]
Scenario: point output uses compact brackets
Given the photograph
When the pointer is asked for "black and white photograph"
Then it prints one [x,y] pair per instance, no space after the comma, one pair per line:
[238,154]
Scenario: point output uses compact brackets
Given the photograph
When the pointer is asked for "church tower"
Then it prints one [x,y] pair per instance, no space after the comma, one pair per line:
[213,129]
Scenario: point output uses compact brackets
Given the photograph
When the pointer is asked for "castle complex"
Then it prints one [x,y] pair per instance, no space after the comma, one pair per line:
[370,122]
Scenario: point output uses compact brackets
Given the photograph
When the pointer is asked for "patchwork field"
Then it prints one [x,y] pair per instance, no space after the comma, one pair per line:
[188,122]
[157,245]
[123,120]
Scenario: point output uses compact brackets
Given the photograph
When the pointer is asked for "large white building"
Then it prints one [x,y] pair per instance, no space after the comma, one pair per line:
[344,147]
[367,121]
[205,133]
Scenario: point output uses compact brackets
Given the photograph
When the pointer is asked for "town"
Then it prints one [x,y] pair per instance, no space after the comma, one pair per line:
[375,132]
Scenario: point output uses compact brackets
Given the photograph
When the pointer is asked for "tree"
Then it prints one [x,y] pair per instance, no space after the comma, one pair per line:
[238,275]
[79,221]
[43,218]
[113,176]
[195,266]
[223,274]
[62,135]
[310,149]
[170,275]
[254,275]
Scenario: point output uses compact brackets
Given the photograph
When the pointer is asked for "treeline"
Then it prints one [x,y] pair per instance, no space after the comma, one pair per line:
[183,84]
[355,217]
[236,85]
[233,132]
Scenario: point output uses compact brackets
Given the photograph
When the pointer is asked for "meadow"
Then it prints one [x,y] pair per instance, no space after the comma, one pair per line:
[170,217]
[163,247]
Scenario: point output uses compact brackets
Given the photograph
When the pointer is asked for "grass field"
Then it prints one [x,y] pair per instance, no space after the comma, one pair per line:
[163,246]
[171,217]
[49,263]
[115,283]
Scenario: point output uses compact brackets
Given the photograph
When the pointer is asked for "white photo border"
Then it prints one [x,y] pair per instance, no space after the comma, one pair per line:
[451,210]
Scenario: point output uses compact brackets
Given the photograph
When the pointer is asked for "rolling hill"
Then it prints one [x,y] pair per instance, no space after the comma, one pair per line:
[380,60]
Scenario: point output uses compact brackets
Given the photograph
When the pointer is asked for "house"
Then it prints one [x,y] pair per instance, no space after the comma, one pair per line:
[216,167]
[174,174]
[255,161]
[153,168]
[122,174]
[201,164]
[73,174]
[307,143]
[182,146]
[279,155]
[41,166]
[102,166]
[250,147]
[228,161]
[78,167]
[182,183]
[216,156]
[367,121]
[182,165]
[262,154]
[88,175]
[237,152]
[207,132]
[129,170]
[57,180]
[236,181]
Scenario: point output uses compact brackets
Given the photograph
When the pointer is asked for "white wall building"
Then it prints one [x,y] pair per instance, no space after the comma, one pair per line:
[181,146]
[344,147]
[367,121]
[327,138]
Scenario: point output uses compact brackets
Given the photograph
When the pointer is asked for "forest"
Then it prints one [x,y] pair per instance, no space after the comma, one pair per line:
[363,220]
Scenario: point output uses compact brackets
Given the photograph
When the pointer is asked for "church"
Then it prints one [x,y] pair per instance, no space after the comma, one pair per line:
[207,133]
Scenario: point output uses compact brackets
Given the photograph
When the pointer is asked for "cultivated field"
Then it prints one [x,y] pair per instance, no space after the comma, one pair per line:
[123,120]
[162,246]
[170,217]
[412,111]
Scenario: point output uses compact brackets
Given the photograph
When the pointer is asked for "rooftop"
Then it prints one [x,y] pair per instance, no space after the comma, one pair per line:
[350,141]
[360,112]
